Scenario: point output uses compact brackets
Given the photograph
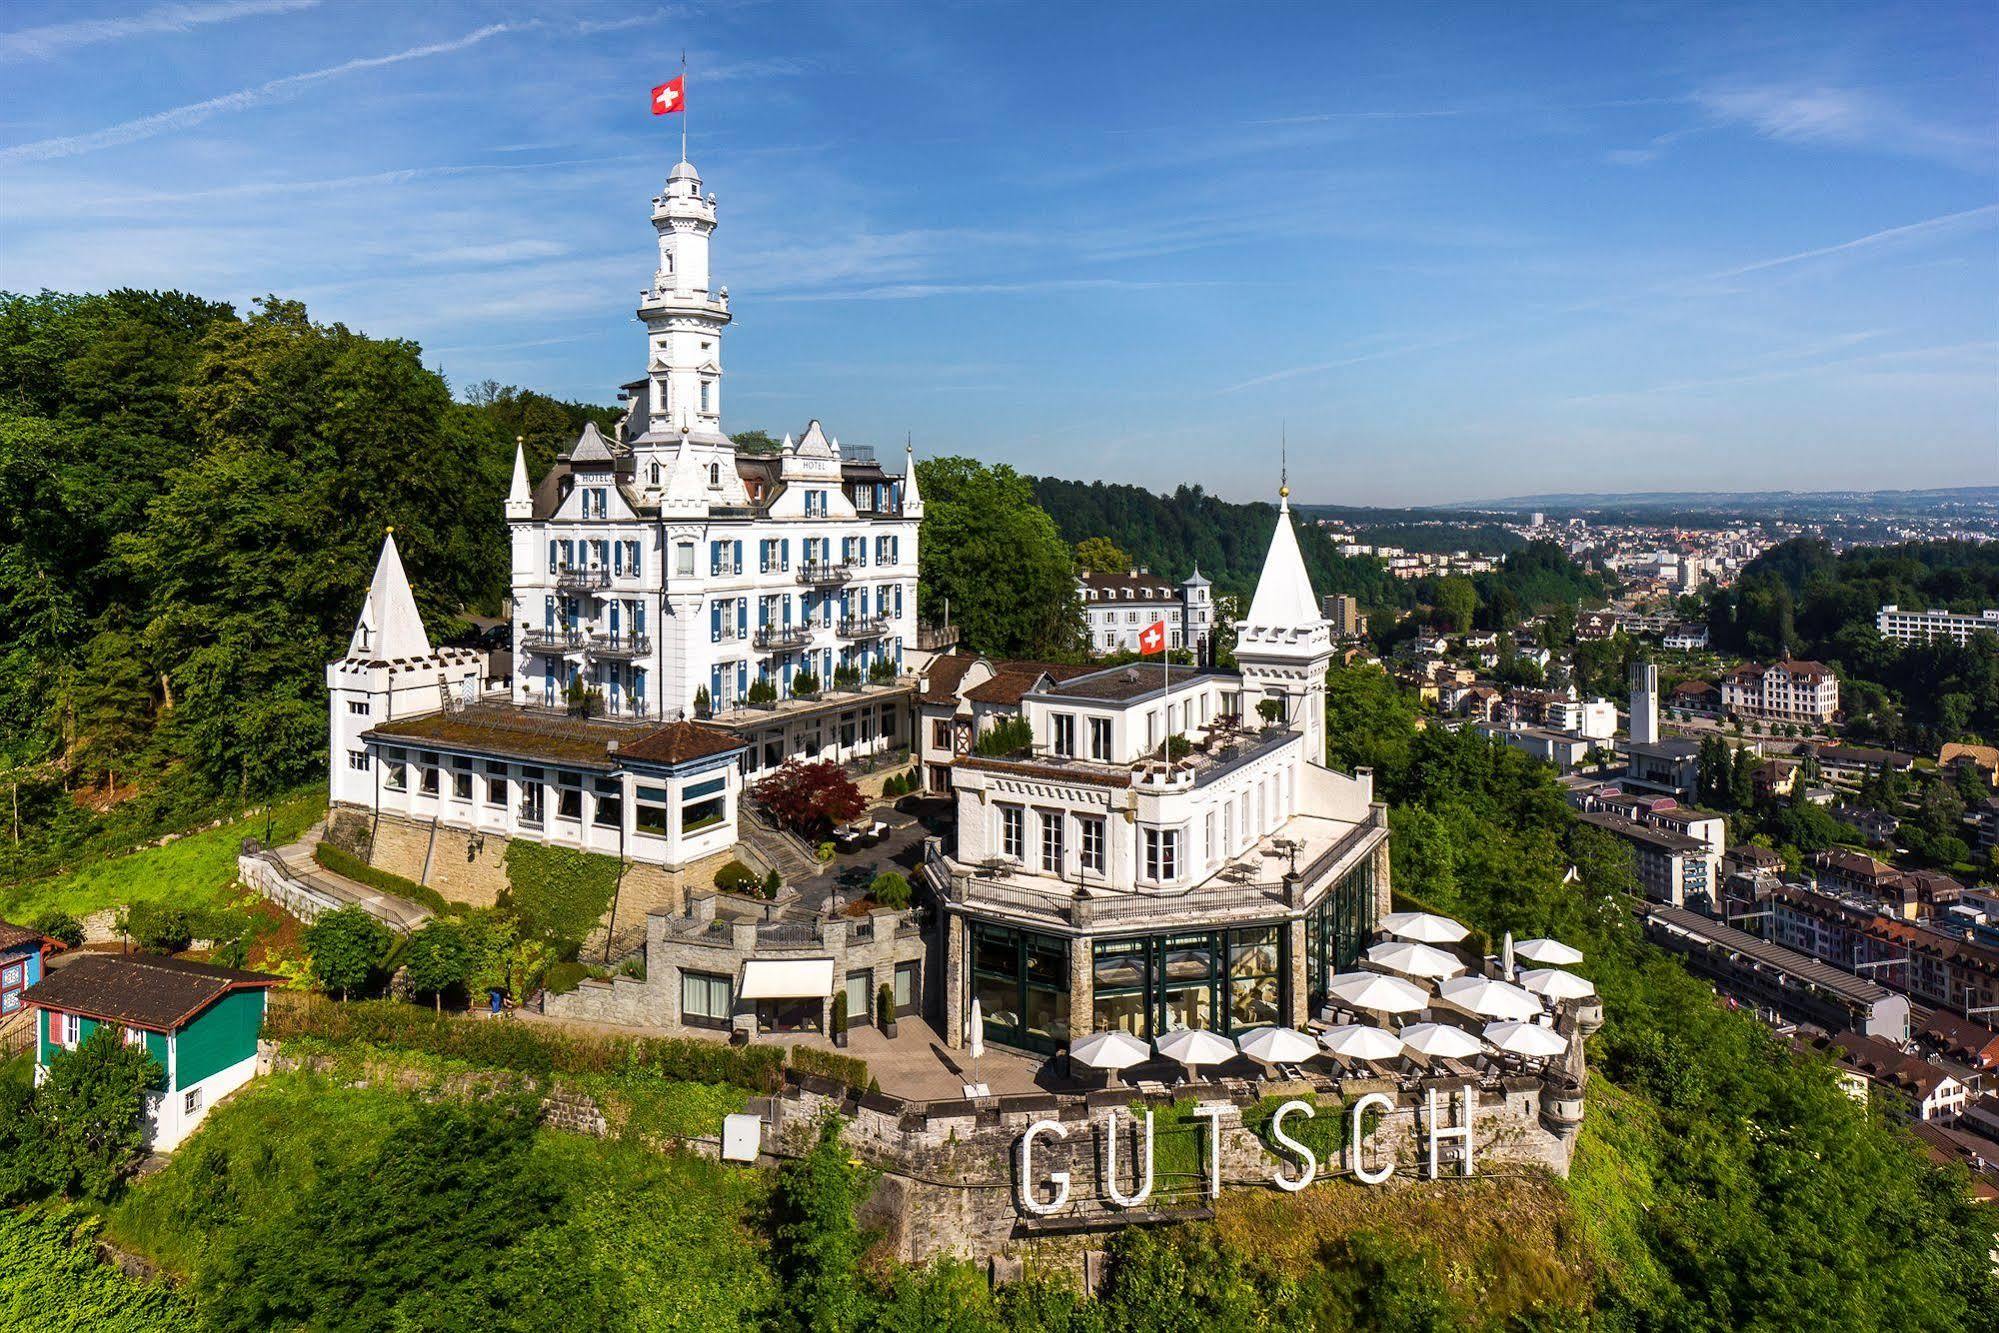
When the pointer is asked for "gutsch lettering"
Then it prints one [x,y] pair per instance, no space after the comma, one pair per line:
[1045,1193]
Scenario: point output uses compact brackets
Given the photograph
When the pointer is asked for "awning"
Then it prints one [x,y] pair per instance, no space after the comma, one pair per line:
[786,979]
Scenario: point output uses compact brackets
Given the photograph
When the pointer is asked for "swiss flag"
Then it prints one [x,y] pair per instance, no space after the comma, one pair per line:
[1152,639]
[670,96]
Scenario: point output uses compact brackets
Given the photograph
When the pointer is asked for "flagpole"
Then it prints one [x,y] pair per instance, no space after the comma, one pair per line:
[683,104]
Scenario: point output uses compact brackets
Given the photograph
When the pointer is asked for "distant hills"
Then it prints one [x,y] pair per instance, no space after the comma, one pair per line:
[1760,502]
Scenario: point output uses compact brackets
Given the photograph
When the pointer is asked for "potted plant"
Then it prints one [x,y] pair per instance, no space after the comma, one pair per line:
[840,1019]
[804,685]
[885,1009]
[703,705]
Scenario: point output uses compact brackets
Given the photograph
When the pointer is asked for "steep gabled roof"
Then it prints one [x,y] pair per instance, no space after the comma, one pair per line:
[140,990]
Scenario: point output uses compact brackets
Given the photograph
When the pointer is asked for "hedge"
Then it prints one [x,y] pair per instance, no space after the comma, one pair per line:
[525,1047]
[349,866]
[850,1070]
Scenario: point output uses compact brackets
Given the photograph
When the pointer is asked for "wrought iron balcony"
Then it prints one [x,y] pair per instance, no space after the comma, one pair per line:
[783,636]
[821,572]
[577,577]
[554,641]
[863,627]
[620,645]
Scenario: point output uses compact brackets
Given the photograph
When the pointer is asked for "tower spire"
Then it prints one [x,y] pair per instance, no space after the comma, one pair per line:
[1284,467]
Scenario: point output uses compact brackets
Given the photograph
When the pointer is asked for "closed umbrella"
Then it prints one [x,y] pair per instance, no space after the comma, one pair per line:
[1358,1041]
[1441,1040]
[1506,957]
[1110,1051]
[1529,1039]
[1549,953]
[975,1030]
[1414,960]
[1277,1046]
[1378,993]
[1423,927]
[1556,984]
[1488,998]
[1194,1047]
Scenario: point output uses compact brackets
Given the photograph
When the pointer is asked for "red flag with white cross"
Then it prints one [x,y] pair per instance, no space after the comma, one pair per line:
[1152,639]
[670,96]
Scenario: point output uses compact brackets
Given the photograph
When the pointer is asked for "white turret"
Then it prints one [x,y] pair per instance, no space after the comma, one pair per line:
[1284,645]
[520,501]
[683,318]
[390,671]
[912,498]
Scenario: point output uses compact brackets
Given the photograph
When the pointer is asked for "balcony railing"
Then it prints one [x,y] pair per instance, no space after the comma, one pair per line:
[576,577]
[863,627]
[555,641]
[620,645]
[782,636]
[820,571]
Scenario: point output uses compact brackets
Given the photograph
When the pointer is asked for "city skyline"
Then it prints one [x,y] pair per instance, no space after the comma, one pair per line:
[1737,250]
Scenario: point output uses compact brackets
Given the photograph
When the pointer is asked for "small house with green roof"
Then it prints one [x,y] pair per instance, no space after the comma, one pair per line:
[199,1021]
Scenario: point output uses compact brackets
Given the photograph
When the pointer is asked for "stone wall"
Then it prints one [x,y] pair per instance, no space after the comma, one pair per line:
[951,1169]
[465,867]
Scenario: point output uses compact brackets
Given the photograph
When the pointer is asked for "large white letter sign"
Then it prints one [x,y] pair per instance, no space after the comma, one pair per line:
[1059,1179]
[1142,1174]
[1213,1115]
[1437,1136]
[1354,1159]
[1284,1140]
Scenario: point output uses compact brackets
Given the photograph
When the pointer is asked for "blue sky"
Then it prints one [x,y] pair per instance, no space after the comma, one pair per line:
[1454,251]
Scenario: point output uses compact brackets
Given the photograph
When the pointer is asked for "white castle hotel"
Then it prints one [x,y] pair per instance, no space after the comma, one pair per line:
[1169,852]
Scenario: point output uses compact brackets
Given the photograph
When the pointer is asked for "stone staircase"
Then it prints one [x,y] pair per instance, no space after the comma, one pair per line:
[772,848]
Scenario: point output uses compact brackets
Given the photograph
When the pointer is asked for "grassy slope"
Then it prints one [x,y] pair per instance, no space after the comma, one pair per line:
[191,871]
[676,1234]
[52,1281]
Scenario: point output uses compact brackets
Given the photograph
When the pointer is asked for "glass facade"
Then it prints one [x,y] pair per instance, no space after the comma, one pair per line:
[1228,981]
[1021,980]
[1337,929]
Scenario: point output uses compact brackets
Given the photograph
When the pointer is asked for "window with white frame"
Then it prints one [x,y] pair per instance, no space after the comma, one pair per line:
[1090,849]
[1013,832]
[191,1103]
[1062,733]
[1162,855]
[357,760]
[1100,738]
[358,707]
[395,774]
[1051,842]
[705,999]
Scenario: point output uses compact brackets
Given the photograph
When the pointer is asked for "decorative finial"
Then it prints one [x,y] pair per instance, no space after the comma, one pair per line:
[1284,460]
[520,439]
[391,529]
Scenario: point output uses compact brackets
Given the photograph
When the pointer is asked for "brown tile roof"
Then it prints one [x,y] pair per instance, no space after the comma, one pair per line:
[1985,756]
[12,935]
[1692,689]
[1143,585]
[1802,668]
[140,990]
[680,743]
[1963,1039]
[941,678]
[1012,680]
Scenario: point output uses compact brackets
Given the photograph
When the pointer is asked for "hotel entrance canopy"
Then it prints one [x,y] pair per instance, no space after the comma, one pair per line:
[787,979]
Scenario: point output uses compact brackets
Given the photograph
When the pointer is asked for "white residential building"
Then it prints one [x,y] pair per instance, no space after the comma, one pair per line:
[1120,607]
[1922,626]
[1786,691]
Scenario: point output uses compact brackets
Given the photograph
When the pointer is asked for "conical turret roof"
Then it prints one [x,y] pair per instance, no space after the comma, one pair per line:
[389,626]
[1284,597]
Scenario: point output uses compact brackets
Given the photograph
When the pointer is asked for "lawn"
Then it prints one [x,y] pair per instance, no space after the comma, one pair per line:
[190,871]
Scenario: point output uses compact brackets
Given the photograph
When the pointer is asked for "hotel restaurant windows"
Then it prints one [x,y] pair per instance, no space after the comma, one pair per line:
[1337,929]
[1225,980]
[1021,980]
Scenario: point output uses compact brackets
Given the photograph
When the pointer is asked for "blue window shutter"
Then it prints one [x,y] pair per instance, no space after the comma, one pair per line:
[738,566]
[742,617]
[553,548]
[715,686]
[742,678]
[715,622]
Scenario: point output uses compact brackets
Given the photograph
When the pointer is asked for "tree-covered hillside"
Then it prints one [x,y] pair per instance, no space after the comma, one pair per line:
[1801,598]
[191,500]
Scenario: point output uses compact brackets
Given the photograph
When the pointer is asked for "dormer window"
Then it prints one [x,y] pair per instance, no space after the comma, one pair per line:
[714,469]
[653,473]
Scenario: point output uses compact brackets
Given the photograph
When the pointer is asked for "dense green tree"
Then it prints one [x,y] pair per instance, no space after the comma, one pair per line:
[347,946]
[1455,601]
[993,558]
[92,1111]
[437,958]
[1101,555]
[817,1246]
[755,442]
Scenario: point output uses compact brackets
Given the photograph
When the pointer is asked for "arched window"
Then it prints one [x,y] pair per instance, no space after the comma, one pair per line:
[714,474]
[655,474]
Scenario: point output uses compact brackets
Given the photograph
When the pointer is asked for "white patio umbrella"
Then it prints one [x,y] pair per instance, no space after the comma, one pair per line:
[1556,984]
[1441,1040]
[1423,927]
[1488,998]
[1414,960]
[1277,1046]
[1549,953]
[1110,1051]
[1194,1047]
[975,1031]
[1378,993]
[1506,957]
[1358,1041]
[1529,1039]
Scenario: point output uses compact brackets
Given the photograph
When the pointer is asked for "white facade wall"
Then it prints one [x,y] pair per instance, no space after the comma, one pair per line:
[1921,626]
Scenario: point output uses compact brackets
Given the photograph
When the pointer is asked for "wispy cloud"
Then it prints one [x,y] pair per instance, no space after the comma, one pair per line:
[1971,219]
[1826,115]
[52,39]
[502,252]
[912,291]
[194,113]
[1972,357]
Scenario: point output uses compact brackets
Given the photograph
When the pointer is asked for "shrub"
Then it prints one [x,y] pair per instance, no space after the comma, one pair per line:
[735,877]
[156,927]
[890,889]
[824,851]
[349,866]
[772,884]
[703,705]
[1270,710]
[847,1070]
[347,947]
[884,1003]
[882,672]
[840,1013]
[846,677]
[92,1107]
[1012,735]
[762,692]
[522,1047]
[59,925]
[804,683]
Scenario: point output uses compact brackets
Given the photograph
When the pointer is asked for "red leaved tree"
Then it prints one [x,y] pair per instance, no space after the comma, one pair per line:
[810,797]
